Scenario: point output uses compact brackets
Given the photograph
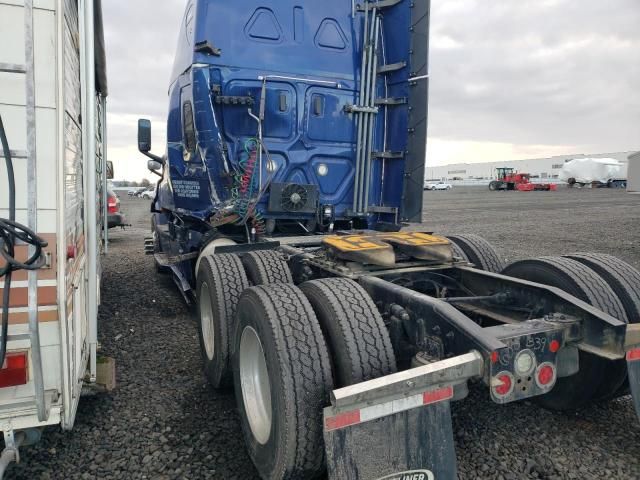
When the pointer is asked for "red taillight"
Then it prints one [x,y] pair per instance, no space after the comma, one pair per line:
[633,355]
[112,204]
[554,346]
[502,384]
[15,370]
[545,375]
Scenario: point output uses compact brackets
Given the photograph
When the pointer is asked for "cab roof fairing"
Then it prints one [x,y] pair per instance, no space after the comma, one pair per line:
[261,36]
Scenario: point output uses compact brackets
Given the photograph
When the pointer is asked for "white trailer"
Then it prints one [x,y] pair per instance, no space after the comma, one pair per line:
[52,106]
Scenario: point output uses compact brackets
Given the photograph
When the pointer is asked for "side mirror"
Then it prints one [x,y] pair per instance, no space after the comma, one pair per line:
[144,135]
[109,170]
[155,167]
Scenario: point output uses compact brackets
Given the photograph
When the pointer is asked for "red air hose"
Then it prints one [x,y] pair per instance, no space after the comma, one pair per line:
[247,176]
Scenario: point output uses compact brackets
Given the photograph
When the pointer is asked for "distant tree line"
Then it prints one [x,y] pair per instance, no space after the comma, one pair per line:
[127,183]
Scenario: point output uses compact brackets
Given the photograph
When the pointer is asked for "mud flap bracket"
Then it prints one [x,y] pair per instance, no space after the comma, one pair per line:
[398,426]
[632,346]
[633,369]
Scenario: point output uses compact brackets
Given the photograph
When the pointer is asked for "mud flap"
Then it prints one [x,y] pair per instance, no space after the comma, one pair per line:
[633,367]
[397,427]
[413,445]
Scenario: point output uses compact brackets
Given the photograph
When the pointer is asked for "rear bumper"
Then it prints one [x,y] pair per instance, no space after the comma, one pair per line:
[116,220]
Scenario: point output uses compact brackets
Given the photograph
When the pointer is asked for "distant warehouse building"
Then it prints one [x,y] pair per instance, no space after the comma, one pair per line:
[633,175]
[540,168]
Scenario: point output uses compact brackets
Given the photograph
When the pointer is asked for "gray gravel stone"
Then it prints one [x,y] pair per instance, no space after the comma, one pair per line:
[163,410]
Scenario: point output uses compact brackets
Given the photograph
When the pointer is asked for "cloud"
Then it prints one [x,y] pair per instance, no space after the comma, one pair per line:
[532,77]
[558,74]
[469,151]
[141,38]
[129,163]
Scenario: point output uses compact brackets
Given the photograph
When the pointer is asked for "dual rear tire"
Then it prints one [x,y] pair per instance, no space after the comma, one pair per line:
[282,378]
[357,337]
[286,349]
[221,279]
[478,251]
[266,267]
[608,284]
[624,280]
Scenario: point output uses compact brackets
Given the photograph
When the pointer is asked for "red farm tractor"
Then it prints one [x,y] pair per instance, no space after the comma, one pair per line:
[509,179]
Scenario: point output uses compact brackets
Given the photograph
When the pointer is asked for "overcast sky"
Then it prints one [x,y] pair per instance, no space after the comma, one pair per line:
[509,79]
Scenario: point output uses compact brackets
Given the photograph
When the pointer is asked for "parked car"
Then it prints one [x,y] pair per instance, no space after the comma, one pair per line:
[149,194]
[442,186]
[438,186]
[115,218]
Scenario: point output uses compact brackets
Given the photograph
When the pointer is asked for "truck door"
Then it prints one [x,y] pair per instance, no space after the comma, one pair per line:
[188,173]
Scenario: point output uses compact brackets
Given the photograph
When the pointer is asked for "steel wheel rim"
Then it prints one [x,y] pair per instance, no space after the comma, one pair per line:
[255,385]
[206,321]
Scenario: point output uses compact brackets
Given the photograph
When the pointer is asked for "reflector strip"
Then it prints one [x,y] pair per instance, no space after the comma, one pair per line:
[633,355]
[343,420]
[437,395]
[388,408]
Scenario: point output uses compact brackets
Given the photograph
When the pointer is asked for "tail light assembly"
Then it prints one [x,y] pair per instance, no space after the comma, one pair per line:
[503,384]
[112,204]
[520,373]
[15,370]
[546,375]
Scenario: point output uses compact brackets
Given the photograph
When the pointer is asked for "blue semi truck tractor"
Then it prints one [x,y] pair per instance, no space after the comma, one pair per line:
[296,147]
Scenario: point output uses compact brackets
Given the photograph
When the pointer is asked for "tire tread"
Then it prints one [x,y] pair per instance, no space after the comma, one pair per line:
[307,370]
[360,326]
[479,251]
[267,267]
[621,277]
[228,283]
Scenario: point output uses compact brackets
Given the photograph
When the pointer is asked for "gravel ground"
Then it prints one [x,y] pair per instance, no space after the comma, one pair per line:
[164,422]
[531,224]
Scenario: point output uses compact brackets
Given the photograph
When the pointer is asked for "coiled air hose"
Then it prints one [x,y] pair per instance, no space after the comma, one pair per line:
[10,233]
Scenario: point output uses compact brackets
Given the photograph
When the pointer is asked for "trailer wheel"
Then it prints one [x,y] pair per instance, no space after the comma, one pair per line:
[595,375]
[266,267]
[356,335]
[220,281]
[479,252]
[282,380]
[625,282]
